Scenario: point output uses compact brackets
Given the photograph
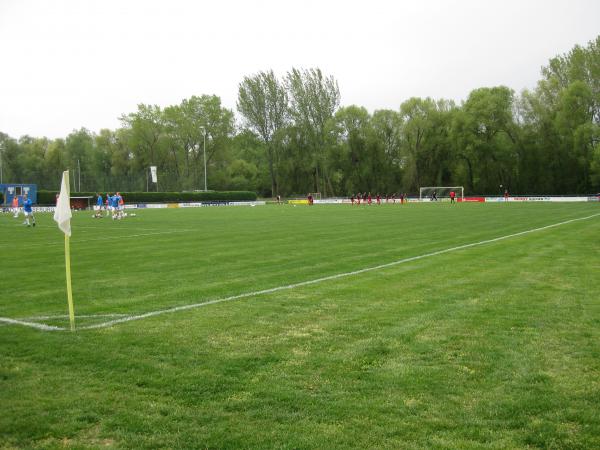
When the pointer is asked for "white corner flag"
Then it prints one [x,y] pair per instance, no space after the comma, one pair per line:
[62,214]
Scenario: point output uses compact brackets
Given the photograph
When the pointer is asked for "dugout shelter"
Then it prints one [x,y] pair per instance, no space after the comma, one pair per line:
[81,202]
[9,191]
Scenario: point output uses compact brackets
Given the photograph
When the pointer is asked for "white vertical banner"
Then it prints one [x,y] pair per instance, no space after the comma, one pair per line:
[153,174]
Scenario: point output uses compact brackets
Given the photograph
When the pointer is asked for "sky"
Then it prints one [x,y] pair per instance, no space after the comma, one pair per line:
[68,64]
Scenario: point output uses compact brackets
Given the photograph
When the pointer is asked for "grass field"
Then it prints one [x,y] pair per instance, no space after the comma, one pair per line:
[495,345]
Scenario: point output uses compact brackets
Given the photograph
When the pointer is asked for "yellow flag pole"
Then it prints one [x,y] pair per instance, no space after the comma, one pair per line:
[69,289]
[68,259]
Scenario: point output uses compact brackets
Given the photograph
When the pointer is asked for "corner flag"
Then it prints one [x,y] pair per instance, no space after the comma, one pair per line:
[62,216]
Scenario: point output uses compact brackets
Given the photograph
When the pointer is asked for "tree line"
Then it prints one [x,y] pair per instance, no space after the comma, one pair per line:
[294,138]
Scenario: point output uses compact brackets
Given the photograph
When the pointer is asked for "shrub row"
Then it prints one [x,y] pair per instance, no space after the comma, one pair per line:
[49,197]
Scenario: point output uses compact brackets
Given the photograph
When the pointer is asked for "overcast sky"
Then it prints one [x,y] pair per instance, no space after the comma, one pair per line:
[68,64]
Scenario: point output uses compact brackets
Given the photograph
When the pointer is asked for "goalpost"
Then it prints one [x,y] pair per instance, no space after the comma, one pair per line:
[433,193]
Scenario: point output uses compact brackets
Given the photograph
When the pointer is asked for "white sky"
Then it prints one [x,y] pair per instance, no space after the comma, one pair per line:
[68,64]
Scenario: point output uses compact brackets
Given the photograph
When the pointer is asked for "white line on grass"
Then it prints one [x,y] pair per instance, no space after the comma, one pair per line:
[295,285]
[39,326]
[80,227]
[107,238]
[80,316]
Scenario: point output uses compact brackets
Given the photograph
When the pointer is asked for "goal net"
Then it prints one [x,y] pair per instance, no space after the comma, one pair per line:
[438,193]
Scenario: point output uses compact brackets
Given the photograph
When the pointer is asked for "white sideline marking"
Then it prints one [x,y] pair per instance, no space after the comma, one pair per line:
[45,244]
[295,285]
[81,227]
[39,326]
[65,316]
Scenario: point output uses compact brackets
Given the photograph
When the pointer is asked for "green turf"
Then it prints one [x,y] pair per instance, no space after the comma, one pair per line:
[492,346]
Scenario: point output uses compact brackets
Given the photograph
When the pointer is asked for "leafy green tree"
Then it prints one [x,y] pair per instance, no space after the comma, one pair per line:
[560,119]
[220,129]
[105,144]
[144,139]
[31,157]
[11,165]
[55,163]
[79,148]
[387,128]
[314,98]
[484,136]
[573,122]
[349,164]
[425,144]
[248,147]
[263,102]
[296,167]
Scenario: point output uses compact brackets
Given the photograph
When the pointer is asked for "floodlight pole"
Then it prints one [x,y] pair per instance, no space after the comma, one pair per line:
[204,151]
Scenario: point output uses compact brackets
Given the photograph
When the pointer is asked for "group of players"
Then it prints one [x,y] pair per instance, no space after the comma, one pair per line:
[27,210]
[111,204]
[367,199]
[434,198]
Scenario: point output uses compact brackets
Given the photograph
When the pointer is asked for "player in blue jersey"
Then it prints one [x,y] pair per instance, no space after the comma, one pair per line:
[28,211]
[114,206]
[98,206]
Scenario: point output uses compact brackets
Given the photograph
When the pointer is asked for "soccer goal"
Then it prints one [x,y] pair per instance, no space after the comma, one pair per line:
[436,193]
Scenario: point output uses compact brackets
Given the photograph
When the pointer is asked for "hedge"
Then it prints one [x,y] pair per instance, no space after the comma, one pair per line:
[49,197]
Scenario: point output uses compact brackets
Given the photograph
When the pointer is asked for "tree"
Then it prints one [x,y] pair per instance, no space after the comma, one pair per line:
[425,143]
[220,129]
[387,129]
[484,136]
[314,98]
[11,166]
[144,139]
[79,148]
[349,164]
[31,157]
[263,101]
[55,163]
[248,147]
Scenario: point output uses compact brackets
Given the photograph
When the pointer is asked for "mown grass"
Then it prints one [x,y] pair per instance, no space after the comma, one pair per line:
[494,346]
